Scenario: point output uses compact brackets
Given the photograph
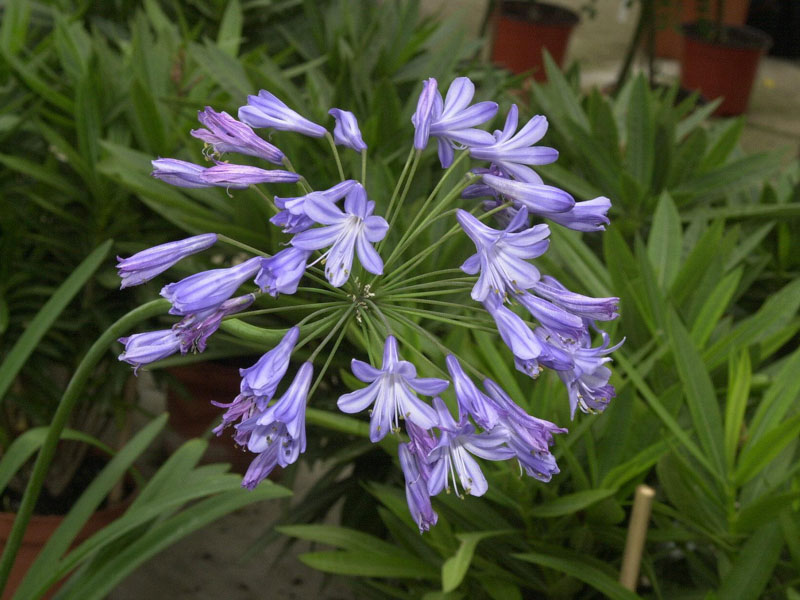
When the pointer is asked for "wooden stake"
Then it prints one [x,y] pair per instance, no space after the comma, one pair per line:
[637,533]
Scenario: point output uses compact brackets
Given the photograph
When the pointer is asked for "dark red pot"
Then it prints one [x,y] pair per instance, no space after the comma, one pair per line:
[524,29]
[724,69]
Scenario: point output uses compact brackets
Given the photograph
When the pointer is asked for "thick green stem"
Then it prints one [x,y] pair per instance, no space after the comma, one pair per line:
[71,395]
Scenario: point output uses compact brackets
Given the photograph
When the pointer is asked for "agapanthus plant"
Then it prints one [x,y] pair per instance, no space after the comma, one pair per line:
[347,243]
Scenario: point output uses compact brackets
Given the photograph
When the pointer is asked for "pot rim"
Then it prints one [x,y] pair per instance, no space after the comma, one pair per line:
[555,14]
[756,39]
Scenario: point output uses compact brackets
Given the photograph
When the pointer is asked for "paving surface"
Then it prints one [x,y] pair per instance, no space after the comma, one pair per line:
[208,564]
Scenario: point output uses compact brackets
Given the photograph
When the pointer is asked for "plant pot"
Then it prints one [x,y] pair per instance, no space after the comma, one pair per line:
[191,413]
[669,16]
[39,530]
[724,69]
[523,30]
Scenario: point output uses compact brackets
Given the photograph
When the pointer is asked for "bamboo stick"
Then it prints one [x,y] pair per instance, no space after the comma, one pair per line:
[637,533]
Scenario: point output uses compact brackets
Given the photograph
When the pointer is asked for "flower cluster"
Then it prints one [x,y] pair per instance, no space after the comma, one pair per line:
[543,324]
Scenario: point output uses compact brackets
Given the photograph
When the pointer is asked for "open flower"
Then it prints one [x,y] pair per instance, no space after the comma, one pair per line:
[195,329]
[471,400]
[292,216]
[281,273]
[391,389]
[501,254]
[354,229]
[145,265]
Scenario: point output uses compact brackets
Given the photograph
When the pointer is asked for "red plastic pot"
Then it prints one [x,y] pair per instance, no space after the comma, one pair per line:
[523,30]
[39,530]
[724,68]
[669,16]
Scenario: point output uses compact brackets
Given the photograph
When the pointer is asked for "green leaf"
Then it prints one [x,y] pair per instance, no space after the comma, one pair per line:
[733,176]
[361,563]
[339,537]
[752,569]
[779,398]
[699,392]
[47,315]
[455,568]
[569,503]
[664,243]
[739,378]
[635,466]
[639,154]
[756,455]
[576,567]
[230,30]
[714,307]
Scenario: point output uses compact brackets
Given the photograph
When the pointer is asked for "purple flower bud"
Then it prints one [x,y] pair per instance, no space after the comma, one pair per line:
[544,200]
[516,334]
[470,399]
[551,316]
[144,348]
[226,134]
[589,215]
[266,110]
[281,273]
[262,379]
[417,496]
[346,131]
[208,289]
[179,173]
[243,176]
[601,309]
[145,265]
[423,116]
[195,329]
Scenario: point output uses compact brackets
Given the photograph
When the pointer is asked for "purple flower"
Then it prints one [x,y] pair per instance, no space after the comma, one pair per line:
[391,388]
[589,215]
[278,434]
[587,378]
[226,134]
[195,329]
[237,177]
[470,399]
[145,265]
[539,199]
[346,131]
[261,380]
[452,455]
[552,316]
[523,343]
[417,496]
[501,254]
[423,116]
[293,216]
[281,273]
[354,229]
[265,110]
[208,289]
[601,309]
[530,438]
[510,152]
[453,120]
[144,348]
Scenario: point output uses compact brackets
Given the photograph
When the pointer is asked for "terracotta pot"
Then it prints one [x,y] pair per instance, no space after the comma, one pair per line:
[39,530]
[669,16]
[523,30]
[723,69]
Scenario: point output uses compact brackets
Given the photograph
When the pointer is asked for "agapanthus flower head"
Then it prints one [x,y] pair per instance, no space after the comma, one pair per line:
[225,134]
[266,110]
[392,391]
[452,455]
[292,217]
[145,265]
[471,400]
[261,380]
[513,150]
[208,289]
[346,132]
[195,329]
[281,273]
[278,434]
[453,120]
[353,230]
[600,309]
[148,347]
[501,254]
[417,495]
